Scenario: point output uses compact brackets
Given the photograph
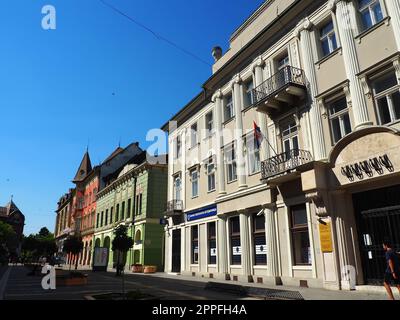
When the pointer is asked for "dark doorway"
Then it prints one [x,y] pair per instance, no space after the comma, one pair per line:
[176,250]
[378,217]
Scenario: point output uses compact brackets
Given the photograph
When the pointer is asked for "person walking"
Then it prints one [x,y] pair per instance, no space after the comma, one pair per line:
[392,274]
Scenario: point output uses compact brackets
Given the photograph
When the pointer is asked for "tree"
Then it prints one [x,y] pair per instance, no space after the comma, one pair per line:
[73,245]
[44,232]
[38,245]
[8,242]
[121,245]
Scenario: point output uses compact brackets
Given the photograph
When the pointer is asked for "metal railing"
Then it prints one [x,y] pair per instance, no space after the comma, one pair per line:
[284,162]
[284,77]
[174,205]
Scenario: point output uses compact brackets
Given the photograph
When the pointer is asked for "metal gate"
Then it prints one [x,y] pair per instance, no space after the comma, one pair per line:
[176,250]
[375,226]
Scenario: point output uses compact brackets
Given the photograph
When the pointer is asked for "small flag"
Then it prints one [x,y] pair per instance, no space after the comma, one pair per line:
[258,136]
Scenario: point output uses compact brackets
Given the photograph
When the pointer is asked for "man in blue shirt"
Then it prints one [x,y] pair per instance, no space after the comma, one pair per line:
[392,274]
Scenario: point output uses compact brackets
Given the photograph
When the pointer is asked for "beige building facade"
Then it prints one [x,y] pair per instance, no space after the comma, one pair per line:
[285,169]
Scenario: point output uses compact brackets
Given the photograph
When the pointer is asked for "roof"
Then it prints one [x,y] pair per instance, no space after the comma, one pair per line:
[10,209]
[84,168]
[114,154]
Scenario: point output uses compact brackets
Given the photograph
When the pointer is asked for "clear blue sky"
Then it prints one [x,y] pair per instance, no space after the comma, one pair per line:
[56,86]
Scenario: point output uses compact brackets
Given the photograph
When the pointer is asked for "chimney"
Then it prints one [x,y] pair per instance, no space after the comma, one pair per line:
[217,53]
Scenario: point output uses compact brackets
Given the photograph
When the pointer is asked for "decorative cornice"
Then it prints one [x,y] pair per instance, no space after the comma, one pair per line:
[217,95]
[332,4]
[304,24]
[258,63]
[237,79]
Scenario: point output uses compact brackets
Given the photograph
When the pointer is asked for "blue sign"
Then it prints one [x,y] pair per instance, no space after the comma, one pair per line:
[202,213]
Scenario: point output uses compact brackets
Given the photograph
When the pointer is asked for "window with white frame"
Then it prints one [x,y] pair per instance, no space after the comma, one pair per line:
[339,119]
[386,89]
[328,38]
[193,135]
[194,178]
[290,137]
[248,93]
[178,188]
[253,154]
[230,160]
[211,175]
[209,123]
[178,147]
[229,111]
[370,12]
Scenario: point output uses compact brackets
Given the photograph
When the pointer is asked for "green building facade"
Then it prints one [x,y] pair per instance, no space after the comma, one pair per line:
[137,198]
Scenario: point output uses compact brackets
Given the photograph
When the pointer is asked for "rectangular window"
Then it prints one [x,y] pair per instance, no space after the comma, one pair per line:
[236,249]
[194,178]
[370,12]
[248,94]
[229,110]
[195,244]
[123,211]
[230,160]
[140,204]
[177,187]
[193,135]
[98,220]
[209,123]
[128,213]
[178,147]
[260,247]
[210,175]
[253,155]
[106,222]
[101,219]
[111,215]
[212,243]
[300,237]
[386,90]
[339,119]
[117,214]
[328,38]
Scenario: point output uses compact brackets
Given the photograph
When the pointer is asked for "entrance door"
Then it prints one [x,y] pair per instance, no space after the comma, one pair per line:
[378,222]
[176,250]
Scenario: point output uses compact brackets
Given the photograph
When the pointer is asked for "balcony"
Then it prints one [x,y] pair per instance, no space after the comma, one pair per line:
[174,208]
[285,88]
[284,163]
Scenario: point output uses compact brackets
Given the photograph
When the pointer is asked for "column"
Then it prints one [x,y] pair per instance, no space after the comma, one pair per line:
[272,246]
[261,117]
[245,245]
[237,103]
[344,23]
[222,252]
[318,142]
[393,8]
[183,165]
[217,99]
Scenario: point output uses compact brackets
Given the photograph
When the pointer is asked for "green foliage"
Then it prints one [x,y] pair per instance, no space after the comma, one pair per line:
[73,245]
[38,245]
[8,242]
[122,242]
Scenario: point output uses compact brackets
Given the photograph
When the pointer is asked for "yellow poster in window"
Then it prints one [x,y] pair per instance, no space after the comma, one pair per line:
[325,234]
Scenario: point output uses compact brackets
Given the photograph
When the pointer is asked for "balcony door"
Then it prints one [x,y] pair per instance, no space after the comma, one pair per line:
[290,141]
[283,71]
[178,188]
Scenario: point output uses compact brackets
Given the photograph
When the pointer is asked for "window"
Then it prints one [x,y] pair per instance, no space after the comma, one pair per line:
[210,175]
[140,204]
[236,249]
[194,178]
[260,247]
[283,62]
[195,244]
[253,155]
[111,215]
[123,211]
[229,110]
[300,237]
[193,135]
[290,139]
[370,12]
[212,243]
[106,221]
[101,219]
[339,119]
[128,213]
[177,187]
[117,214]
[387,98]
[178,147]
[209,123]
[230,160]
[98,220]
[248,96]
[328,39]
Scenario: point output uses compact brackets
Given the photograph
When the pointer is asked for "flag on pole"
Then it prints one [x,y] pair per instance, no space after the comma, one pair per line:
[258,136]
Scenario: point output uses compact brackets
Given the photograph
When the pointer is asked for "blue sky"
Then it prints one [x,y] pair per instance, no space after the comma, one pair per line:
[56,86]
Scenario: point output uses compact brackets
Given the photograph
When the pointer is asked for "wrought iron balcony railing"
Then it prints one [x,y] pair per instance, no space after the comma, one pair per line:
[284,162]
[174,207]
[284,78]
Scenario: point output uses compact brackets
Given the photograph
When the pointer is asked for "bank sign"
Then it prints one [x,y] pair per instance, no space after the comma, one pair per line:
[201,213]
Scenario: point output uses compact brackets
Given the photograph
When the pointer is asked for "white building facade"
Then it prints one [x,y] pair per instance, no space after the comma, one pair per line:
[310,202]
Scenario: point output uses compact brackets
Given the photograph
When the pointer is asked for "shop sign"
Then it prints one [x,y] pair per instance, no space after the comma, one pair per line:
[213,252]
[237,251]
[202,213]
[261,249]
[325,233]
